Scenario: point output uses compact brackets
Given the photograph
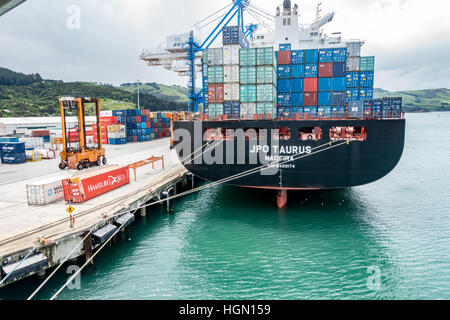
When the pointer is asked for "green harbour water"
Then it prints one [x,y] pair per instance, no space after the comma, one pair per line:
[232,243]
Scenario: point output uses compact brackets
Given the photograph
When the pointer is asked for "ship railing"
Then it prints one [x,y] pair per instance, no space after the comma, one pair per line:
[297,116]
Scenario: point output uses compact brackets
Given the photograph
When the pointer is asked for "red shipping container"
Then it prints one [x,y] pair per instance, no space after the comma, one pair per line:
[108,120]
[310,99]
[325,70]
[215,93]
[138,119]
[40,133]
[135,138]
[92,184]
[311,84]
[284,57]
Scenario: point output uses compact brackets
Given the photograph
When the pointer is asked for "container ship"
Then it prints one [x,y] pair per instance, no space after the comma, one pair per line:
[291,109]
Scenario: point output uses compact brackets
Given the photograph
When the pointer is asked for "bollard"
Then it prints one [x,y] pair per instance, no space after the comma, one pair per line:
[143,212]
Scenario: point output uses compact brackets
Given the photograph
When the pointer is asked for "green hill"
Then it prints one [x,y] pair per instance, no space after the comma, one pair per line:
[29,95]
[420,100]
[169,93]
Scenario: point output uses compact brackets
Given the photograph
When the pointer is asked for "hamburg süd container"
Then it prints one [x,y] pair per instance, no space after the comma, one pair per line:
[247,75]
[247,57]
[231,74]
[284,99]
[45,191]
[325,70]
[231,54]
[297,85]
[284,58]
[89,185]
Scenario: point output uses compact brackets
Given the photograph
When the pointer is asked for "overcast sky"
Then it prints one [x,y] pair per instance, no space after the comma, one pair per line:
[410,38]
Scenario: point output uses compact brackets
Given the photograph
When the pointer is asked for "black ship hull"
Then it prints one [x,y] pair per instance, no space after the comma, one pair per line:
[344,165]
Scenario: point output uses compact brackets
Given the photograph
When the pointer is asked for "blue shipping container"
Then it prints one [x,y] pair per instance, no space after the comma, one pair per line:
[284,85]
[297,57]
[324,84]
[285,46]
[297,85]
[338,98]
[352,94]
[339,69]
[366,93]
[366,79]
[13,158]
[324,99]
[339,84]
[352,79]
[310,111]
[297,99]
[311,70]
[297,71]
[232,107]
[284,99]
[356,109]
[312,56]
[12,147]
[324,111]
[284,72]
[339,54]
[325,55]
[10,139]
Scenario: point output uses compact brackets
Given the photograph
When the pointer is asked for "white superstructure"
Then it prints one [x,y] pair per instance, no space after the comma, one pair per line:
[289,31]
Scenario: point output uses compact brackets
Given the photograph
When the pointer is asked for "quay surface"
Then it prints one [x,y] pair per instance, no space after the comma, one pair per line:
[21,225]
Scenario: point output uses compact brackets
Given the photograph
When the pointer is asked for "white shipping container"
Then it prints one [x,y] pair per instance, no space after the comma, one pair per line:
[106,113]
[353,49]
[248,110]
[33,142]
[115,135]
[47,153]
[231,74]
[231,92]
[215,56]
[177,42]
[353,64]
[231,54]
[45,191]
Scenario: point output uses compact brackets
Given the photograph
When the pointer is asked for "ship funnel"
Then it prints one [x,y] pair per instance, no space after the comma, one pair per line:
[287,4]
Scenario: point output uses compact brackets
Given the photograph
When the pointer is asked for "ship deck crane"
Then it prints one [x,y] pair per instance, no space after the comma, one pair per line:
[189,50]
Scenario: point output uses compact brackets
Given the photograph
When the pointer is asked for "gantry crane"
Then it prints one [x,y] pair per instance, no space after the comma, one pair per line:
[187,49]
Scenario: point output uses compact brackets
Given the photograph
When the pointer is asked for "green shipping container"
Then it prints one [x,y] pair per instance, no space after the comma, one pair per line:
[247,57]
[266,75]
[248,93]
[265,57]
[266,93]
[205,70]
[266,108]
[214,110]
[247,75]
[215,74]
[367,64]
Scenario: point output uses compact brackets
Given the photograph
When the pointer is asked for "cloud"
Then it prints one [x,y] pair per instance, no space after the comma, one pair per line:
[408,37]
